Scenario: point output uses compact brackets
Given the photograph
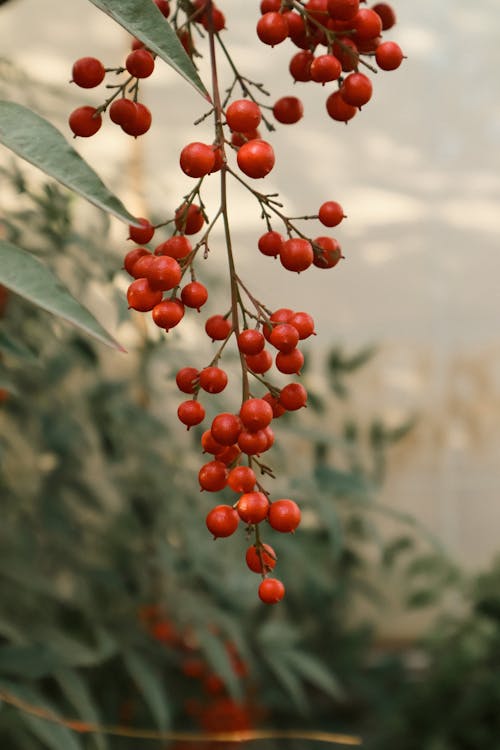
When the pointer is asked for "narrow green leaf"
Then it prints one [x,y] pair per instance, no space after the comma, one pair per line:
[12,347]
[36,140]
[143,20]
[77,693]
[218,659]
[27,276]
[310,669]
[288,679]
[151,687]
[32,661]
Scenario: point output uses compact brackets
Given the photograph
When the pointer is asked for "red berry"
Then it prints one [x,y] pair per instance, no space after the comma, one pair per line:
[347,52]
[141,297]
[141,122]
[300,66]
[389,55]
[163,6]
[253,443]
[290,363]
[269,6]
[142,266]
[338,109]
[303,323]
[168,314]
[218,20]
[296,254]
[197,159]
[343,10]
[259,363]
[256,158]
[255,414]
[218,327]
[367,24]
[187,380]
[208,443]
[325,68]
[299,33]
[189,219]
[241,479]
[238,139]
[131,259]
[387,15]
[272,28]
[88,72]
[213,476]
[330,213]
[288,110]
[226,428]
[164,273]
[271,243]
[317,9]
[253,507]
[278,409]
[330,253]
[260,559]
[213,379]
[251,341]
[176,247]
[293,396]
[222,521]
[140,63]
[284,337]
[271,591]
[228,455]
[123,112]
[243,115]
[356,89]
[194,295]
[142,234]
[85,121]
[191,413]
[284,516]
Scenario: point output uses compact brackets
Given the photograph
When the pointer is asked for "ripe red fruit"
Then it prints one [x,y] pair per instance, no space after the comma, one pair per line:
[272,28]
[290,363]
[317,9]
[88,72]
[347,52]
[296,254]
[342,10]
[288,110]
[213,476]
[131,259]
[293,396]
[253,443]
[300,66]
[284,337]
[142,234]
[299,33]
[255,414]
[85,121]
[367,24]
[191,413]
[222,521]
[387,15]
[330,253]
[325,68]
[141,297]
[278,409]
[253,507]
[389,55]
[176,247]
[229,454]
[268,6]
[140,63]
[210,445]
[356,89]
[226,428]
[194,295]
[218,20]
[218,327]
[271,591]
[256,158]
[284,515]
[187,380]
[303,323]
[338,109]
[189,219]
[259,363]
[241,479]
[271,243]
[168,314]
[330,213]
[142,266]
[243,115]
[213,379]
[197,159]
[163,6]
[141,122]
[260,559]
[164,273]
[251,341]
[123,112]
[238,139]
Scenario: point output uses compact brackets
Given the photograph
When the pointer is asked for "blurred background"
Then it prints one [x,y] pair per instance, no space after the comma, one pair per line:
[396,462]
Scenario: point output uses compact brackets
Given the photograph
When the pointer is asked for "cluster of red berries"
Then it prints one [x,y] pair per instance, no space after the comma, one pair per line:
[351,35]
[133,117]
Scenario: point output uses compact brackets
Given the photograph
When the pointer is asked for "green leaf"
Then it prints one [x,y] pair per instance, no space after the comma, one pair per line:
[36,140]
[77,693]
[27,276]
[150,686]
[287,678]
[218,658]
[143,20]
[33,661]
[310,669]
[13,347]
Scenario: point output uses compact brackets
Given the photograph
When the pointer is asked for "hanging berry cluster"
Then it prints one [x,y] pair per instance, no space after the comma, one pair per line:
[166,277]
